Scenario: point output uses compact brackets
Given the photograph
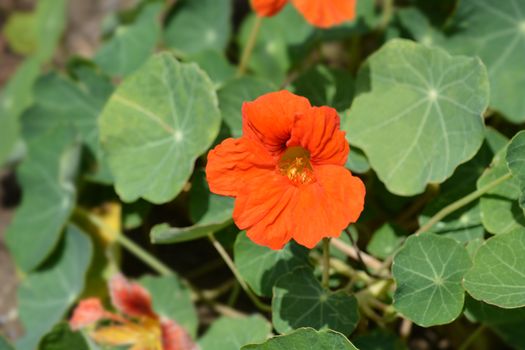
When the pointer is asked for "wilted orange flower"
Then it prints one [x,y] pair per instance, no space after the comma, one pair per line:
[320,13]
[287,172]
[137,325]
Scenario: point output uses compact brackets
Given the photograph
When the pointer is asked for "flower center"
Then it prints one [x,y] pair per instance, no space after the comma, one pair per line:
[295,165]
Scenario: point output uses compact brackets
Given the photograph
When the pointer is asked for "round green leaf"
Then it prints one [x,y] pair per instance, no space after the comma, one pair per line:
[428,270]
[500,209]
[305,339]
[131,44]
[422,116]
[229,333]
[516,162]
[210,23]
[47,176]
[63,338]
[172,299]
[379,340]
[261,267]
[498,274]
[299,300]
[234,93]
[45,295]
[386,240]
[160,119]
[495,32]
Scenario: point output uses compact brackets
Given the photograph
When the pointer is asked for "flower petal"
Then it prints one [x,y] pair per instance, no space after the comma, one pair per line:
[269,118]
[326,207]
[87,312]
[130,298]
[268,8]
[175,337]
[259,210]
[318,131]
[234,160]
[326,13]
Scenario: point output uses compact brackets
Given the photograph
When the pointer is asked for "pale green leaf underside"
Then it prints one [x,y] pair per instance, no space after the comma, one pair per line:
[498,274]
[172,299]
[229,333]
[428,271]
[160,119]
[516,162]
[495,31]
[165,234]
[261,267]
[422,116]
[500,209]
[305,339]
[44,296]
[299,300]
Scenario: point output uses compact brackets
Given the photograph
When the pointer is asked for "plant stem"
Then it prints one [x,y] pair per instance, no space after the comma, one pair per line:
[326,263]
[461,202]
[388,12]
[369,260]
[220,249]
[144,256]
[472,337]
[248,49]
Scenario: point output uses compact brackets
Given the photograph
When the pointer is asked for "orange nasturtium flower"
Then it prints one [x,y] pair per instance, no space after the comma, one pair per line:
[320,13]
[136,325]
[287,172]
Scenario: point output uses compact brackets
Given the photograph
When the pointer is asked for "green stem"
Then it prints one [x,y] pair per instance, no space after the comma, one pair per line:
[461,202]
[388,12]
[326,263]
[220,249]
[471,338]
[144,256]
[248,49]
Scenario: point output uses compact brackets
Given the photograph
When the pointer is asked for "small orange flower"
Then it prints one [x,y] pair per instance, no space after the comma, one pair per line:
[137,325]
[320,13]
[287,172]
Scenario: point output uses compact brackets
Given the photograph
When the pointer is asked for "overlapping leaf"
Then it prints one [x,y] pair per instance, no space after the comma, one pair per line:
[45,295]
[428,271]
[422,116]
[47,176]
[261,267]
[229,333]
[299,300]
[305,339]
[498,274]
[516,162]
[155,125]
[62,337]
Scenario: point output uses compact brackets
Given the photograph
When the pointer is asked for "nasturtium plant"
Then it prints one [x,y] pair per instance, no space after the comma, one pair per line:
[262,174]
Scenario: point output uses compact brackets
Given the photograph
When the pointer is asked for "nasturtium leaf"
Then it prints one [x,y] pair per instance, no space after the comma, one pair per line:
[234,93]
[4,345]
[419,26]
[131,44]
[15,97]
[20,32]
[379,340]
[159,120]
[299,300]
[62,337]
[50,24]
[47,177]
[45,295]
[463,224]
[428,270]
[507,323]
[210,23]
[500,209]
[495,32]
[261,267]
[165,234]
[206,207]
[216,65]
[386,240]
[228,333]
[305,339]
[61,102]
[356,160]
[279,38]
[422,115]
[516,162]
[473,246]
[498,274]
[325,86]
[172,299]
